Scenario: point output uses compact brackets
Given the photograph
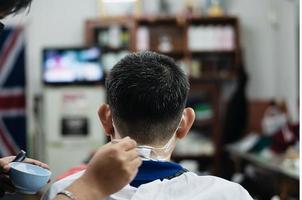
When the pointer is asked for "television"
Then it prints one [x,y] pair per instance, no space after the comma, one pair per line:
[80,65]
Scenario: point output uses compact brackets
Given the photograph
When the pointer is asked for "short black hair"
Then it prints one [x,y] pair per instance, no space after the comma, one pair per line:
[13,6]
[147,93]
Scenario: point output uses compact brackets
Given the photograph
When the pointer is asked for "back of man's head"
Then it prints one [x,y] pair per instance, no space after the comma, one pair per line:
[147,93]
[13,6]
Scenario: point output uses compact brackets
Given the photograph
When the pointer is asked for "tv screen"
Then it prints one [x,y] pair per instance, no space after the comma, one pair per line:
[72,65]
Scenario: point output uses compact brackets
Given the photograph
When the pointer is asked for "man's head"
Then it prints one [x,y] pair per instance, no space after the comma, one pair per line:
[147,94]
[8,7]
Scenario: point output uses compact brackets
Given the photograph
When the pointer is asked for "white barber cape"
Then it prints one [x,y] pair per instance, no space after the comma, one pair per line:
[187,186]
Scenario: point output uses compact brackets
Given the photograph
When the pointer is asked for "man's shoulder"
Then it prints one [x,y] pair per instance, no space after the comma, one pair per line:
[209,179]
[219,187]
[195,187]
[214,182]
[205,187]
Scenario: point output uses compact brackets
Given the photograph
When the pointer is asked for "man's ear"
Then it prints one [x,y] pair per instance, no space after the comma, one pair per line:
[187,120]
[105,116]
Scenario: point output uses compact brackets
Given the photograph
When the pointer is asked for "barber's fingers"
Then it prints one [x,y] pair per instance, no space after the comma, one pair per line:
[4,163]
[126,143]
[36,162]
[137,162]
[6,160]
[134,164]
[131,154]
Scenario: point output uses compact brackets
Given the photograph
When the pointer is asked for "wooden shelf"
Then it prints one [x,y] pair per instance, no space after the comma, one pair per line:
[155,20]
[187,19]
[213,20]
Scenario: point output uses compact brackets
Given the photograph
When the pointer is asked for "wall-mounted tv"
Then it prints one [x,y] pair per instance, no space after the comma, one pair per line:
[80,65]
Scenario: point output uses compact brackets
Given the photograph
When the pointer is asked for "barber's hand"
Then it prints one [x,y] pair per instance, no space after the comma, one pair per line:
[113,166]
[4,163]
[5,183]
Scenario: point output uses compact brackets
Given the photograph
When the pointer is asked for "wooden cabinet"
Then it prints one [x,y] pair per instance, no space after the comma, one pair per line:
[207,48]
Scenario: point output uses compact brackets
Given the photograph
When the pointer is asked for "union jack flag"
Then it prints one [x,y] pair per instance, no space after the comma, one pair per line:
[12,92]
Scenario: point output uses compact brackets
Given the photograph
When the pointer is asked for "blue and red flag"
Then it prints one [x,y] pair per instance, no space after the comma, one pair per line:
[12,92]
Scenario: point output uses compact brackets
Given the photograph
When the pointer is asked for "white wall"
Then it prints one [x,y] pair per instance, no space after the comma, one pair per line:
[286,54]
[270,52]
[257,41]
[270,39]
